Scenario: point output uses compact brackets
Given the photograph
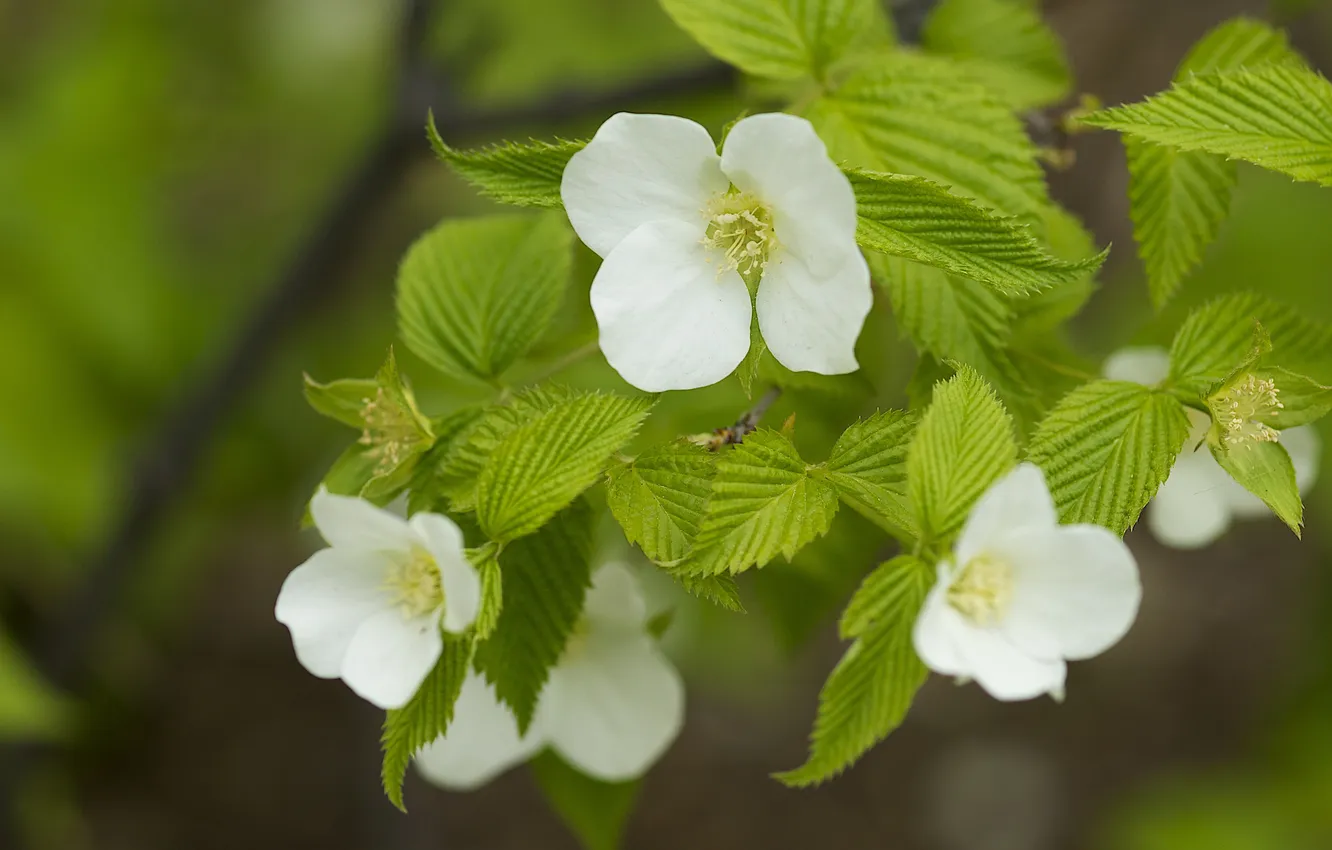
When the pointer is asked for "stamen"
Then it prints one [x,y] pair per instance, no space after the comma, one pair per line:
[1241,409]
[415,584]
[740,230]
[390,430]
[982,590]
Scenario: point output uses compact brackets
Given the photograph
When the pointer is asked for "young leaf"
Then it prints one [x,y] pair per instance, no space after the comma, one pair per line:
[544,464]
[523,175]
[781,39]
[660,497]
[914,218]
[1265,470]
[545,577]
[868,468]
[595,811]
[964,443]
[1106,448]
[475,294]
[486,561]
[870,690]
[1275,116]
[1008,46]
[764,502]
[1303,400]
[426,717]
[720,590]
[425,493]
[342,401]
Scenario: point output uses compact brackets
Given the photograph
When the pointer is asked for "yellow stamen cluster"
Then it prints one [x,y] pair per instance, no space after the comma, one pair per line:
[1242,409]
[414,583]
[390,431]
[982,590]
[740,231]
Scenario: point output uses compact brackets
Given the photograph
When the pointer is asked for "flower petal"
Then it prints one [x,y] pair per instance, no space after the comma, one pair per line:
[637,169]
[481,742]
[462,584]
[1019,500]
[1194,506]
[390,655]
[1005,671]
[349,522]
[668,320]
[1147,365]
[613,706]
[1306,452]
[1075,590]
[614,600]
[811,323]
[935,627]
[780,158]
[324,601]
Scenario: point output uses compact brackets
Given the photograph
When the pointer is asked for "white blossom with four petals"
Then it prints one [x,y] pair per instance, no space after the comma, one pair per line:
[369,609]
[1199,500]
[682,230]
[1023,594]
[612,705]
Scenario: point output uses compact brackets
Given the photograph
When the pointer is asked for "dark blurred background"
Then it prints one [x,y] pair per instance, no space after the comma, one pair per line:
[199,201]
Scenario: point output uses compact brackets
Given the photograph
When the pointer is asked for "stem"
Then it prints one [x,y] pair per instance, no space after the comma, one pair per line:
[573,358]
[1060,368]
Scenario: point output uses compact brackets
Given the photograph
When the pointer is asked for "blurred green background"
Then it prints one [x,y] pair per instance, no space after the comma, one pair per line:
[162,162]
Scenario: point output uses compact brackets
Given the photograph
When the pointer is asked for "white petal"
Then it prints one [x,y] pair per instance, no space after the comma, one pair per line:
[1194,506]
[668,321]
[613,706]
[780,158]
[1306,452]
[1005,671]
[1019,500]
[935,627]
[811,323]
[390,655]
[614,600]
[637,169]
[481,742]
[349,522]
[460,580]
[324,601]
[1075,590]
[1147,365]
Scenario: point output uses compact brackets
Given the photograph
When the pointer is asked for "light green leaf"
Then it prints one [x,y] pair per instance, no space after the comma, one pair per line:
[595,811]
[964,443]
[720,590]
[1265,470]
[922,115]
[426,717]
[475,294]
[1106,448]
[486,561]
[1275,116]
[870,690]
[545,577]
[1006,44]
[524,175]
[29,709]
[342,400]
[1303,400]
[764,502]
[914,218]
[781,39]
[868,468]
[660,497]
[1238,43]
[424,492]
[544,464]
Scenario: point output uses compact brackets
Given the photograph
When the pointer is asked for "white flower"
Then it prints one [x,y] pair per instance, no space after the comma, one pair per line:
[1023,593]
[369,609]
[611,706]
[683,230]
[1199,500]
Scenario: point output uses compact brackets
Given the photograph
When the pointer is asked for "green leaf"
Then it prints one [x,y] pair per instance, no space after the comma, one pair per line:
[964,443]
[1303,400]
[1106,448]
[1275,116]
[660,497]
[425,493]
[868,468]
[720,590]
[523,175]
[921,115]
[870,690]
[342,400]
[545,577]
[486,561]
[475,294]
[765,502]
[1265,470]
[29,709]
[1218,336]
[424,718]
[781,39]
[595,811]
[544,464]
[914,218]
[1006,44]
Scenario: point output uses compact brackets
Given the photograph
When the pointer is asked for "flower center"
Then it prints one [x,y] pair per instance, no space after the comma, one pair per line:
[740,231]
[982,590]
[1241,409]
[390,431]
[414,584]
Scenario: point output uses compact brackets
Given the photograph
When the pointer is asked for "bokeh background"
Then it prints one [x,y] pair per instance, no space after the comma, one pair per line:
[199,201]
